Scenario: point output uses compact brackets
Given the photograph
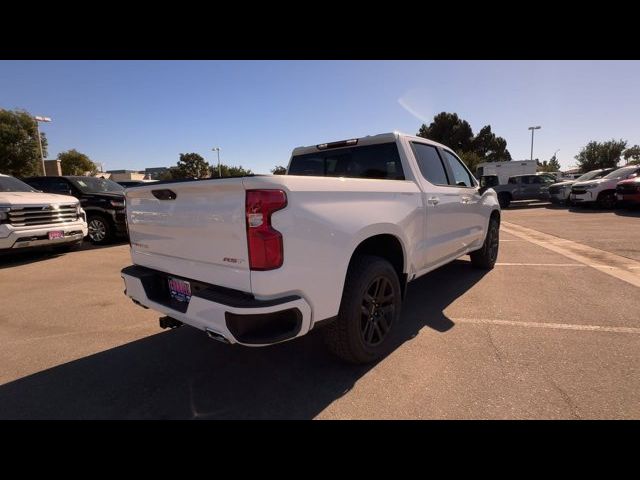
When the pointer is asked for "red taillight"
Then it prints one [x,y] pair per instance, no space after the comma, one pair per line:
[264,242]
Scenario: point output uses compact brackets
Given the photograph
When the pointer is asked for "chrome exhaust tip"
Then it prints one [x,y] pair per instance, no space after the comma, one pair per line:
[216,336]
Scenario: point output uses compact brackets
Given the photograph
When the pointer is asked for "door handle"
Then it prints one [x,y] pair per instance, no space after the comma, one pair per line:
[433,201]
[465,199]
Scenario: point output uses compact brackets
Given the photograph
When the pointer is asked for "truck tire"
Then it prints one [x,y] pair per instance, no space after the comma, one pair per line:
[369,311]
[504,199]
[485,258]
[100,231]
[607,200]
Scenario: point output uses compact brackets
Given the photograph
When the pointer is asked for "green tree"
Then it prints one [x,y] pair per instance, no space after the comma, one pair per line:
[548,166]
[191,165]
[456,133]
[73,162]
[279,170]
[489,147]
[600,154]
[229,171]
[168,174]
[632,155]
[471,159]
[554,164]
[19,150]
[450,130]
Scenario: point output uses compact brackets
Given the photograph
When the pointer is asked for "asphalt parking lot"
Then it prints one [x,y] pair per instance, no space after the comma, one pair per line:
[552,332]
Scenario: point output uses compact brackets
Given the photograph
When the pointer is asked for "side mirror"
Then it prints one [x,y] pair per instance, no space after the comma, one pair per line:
[483,185]
[486,183]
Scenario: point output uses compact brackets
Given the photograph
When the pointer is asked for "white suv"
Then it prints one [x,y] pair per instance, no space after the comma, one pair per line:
[29,218]
[603,190]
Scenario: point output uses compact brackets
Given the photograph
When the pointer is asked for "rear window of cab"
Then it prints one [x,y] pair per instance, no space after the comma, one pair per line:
[381,161]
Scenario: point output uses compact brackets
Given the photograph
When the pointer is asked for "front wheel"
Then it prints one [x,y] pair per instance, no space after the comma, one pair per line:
[607,200]
[369,311]
[504,199]
[486,257]
[99,230]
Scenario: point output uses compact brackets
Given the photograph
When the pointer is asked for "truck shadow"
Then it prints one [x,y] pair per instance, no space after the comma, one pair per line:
[181,374]
[28,255]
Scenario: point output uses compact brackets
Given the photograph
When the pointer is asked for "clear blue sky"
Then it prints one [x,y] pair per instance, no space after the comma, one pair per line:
[136,114]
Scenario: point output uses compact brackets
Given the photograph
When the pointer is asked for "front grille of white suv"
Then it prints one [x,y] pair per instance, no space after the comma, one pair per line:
[42,215]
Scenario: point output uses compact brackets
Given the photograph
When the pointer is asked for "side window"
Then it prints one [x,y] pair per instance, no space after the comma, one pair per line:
[537,179]
[513,180]
[461,176]
[58,186]
[44,185]
[526,180]
[430,163]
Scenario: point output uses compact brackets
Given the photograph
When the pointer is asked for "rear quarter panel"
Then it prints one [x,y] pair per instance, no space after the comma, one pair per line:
[323,223]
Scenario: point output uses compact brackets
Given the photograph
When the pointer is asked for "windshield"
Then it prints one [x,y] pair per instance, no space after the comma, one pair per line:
[621,172]
[590,175]
[97,185]
[10,184]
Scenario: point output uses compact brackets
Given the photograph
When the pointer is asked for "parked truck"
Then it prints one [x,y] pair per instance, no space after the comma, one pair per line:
[333,243]
[524,187]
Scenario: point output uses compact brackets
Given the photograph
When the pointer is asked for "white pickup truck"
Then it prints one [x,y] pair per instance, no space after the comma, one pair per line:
[263,259]
[29,218]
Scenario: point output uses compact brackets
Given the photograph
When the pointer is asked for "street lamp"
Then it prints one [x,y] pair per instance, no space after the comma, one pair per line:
[532,129]
[47,120]
[217,149]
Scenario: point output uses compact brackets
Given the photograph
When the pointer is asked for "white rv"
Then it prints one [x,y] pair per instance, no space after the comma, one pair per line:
[507,169]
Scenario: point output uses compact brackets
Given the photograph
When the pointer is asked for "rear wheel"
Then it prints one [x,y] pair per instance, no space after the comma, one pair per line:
[486,257]
[99,230]
[369,311]
[504,199]
[607,200]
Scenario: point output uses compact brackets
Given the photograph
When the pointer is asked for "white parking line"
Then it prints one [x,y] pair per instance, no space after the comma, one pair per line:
[557,326]
[615,265]
[542,264]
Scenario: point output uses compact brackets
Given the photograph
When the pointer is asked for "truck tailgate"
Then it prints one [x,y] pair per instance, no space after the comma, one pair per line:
[191,229]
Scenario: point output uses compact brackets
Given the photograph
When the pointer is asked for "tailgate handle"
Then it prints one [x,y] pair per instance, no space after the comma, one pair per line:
[164,194]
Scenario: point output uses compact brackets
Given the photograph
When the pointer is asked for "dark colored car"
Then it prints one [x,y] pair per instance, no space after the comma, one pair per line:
[102,199]
[628,192]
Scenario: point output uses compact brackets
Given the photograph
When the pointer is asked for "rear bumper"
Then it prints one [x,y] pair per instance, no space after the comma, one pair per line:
[629,198]
[16,238]
[236,316]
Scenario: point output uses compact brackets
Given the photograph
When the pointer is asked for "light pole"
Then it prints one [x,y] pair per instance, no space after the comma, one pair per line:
[217,149]
[532,129]
[41,119]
